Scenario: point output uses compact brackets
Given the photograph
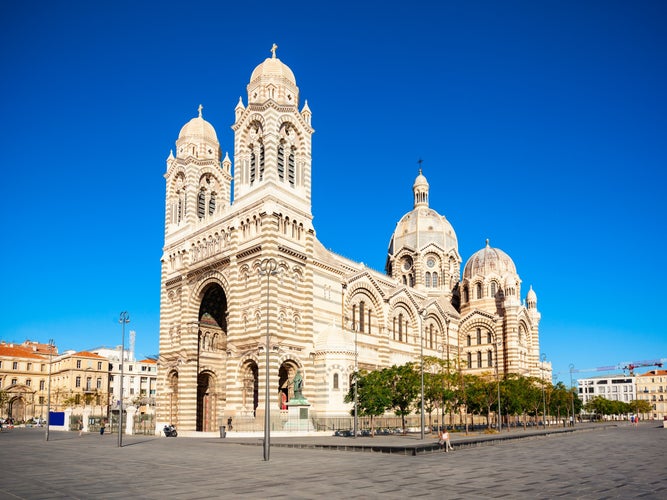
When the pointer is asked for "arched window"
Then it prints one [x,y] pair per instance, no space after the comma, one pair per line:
[180,208]
[479,336]
[493,289]
[479,290]
[400,327]
[479,359]
[335,380]
[211,204]
[354,317]
[435,280]
[427,279]
[281,161]
[469,360]
[489,358]
[466,295]
[253,164]
[291,168]
[368,323]
[201,204]
[361,316]
[469,340]
[261,161]
[488,337]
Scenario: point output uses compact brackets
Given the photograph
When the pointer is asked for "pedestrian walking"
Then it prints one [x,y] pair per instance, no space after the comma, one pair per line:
[80,427]
[103,424]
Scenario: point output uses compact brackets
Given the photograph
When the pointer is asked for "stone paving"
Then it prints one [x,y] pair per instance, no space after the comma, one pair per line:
[592,462]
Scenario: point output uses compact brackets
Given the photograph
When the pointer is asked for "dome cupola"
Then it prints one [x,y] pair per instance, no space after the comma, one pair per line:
[488,261]
[198,138]
[273,80]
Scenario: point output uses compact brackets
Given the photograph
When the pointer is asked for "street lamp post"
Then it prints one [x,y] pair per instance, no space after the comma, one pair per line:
[124,319]
[422,317]
[48,392]
[499,342]
[544,401]
[356,381]
[268,267]
[571,393]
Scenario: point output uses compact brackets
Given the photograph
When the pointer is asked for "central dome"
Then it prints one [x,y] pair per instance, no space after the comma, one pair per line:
[423,226]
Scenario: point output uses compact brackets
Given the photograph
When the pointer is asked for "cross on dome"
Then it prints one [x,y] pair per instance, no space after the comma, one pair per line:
[273,50]
[199,109]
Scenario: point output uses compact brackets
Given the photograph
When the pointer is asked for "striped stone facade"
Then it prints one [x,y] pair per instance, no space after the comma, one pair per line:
[320,311]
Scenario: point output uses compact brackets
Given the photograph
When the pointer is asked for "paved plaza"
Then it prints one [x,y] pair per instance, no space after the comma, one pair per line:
[592,462]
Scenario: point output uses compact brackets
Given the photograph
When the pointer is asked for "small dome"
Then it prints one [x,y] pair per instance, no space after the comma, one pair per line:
[199,128]
[420,181]
[271,68]
[490,260]
[531,296]
[333,338]
[273,80]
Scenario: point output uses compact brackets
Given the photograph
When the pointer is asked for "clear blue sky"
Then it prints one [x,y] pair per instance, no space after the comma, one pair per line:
[542,126]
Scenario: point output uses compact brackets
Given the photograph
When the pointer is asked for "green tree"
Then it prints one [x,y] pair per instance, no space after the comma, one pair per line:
[482,394]
[373,395]
[404,384]
[438,386]
[559,402]
[640,406]
[518,394]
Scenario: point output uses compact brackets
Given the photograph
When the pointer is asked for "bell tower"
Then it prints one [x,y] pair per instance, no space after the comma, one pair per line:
[272,141]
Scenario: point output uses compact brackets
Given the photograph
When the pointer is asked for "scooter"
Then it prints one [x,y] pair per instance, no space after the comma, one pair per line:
[170,431]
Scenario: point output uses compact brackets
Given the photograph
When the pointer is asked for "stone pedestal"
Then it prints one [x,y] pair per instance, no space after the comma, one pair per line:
[298,416]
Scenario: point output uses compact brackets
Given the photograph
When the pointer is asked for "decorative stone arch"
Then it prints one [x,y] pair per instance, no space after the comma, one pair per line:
[207,397]
[402,314]
[493,284]
[248,379]
[524,330]
[288,367]
[339,370]
[255,118]
[176,196]
[469,326]
[172,389]
[475,320]
[296,126]
[373,310]
[434,274]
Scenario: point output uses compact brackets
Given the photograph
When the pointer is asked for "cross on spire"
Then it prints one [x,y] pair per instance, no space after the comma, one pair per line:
[273,50]
[199,109]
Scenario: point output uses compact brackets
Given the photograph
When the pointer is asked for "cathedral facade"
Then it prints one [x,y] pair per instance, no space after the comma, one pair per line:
[243,274]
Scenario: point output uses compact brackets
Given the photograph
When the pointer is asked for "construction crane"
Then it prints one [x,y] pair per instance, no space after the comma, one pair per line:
[637,364]
[625,366]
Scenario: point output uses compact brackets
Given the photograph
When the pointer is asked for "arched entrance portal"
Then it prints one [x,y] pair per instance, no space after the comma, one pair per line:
[17,408]
[286,388]
[250,387]
[205,402]
[211,352]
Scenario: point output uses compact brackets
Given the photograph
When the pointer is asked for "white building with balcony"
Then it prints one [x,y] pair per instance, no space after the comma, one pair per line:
[618,387]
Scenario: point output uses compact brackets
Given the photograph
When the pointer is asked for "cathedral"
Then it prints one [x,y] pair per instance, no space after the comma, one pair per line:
[247,289]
